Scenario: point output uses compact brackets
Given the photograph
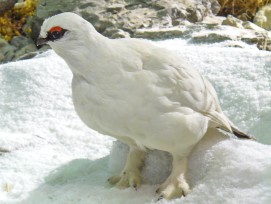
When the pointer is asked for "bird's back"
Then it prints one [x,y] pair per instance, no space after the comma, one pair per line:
[182,84]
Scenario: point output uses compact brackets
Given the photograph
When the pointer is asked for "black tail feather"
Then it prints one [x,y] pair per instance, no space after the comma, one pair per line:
[238,133]
[241,135]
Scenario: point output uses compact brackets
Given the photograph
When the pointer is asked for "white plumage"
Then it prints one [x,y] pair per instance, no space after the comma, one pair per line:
[141,94]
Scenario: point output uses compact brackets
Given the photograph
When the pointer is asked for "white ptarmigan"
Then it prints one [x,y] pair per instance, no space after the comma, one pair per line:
[141,94]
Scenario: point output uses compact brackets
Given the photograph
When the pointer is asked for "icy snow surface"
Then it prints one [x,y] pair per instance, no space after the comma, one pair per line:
[55,159]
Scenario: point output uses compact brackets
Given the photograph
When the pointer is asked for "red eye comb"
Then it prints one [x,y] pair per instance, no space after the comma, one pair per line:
[56,28]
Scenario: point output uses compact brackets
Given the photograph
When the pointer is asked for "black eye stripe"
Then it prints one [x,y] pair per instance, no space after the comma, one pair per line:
[55,35]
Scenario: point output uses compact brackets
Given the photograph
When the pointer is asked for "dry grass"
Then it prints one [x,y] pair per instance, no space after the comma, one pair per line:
[13,20]
[242,9]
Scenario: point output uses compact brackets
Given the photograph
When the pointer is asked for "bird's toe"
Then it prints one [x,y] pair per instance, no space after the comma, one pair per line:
[173,190]
[126,180]
[114,179]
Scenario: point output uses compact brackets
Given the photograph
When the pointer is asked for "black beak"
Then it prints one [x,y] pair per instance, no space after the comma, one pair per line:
[42,41]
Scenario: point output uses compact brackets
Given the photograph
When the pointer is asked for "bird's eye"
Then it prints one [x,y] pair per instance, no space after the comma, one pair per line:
[55,33]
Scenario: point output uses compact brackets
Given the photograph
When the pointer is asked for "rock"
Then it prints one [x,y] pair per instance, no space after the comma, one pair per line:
[213,20]
[20,5]
[114,8]
[5,5]
[44,48]
[232,21]
[252,26]
[129,21]
[8,52]
[192,10]
[127,15]
[19,45]
[215,6]
[2,57]
[152,19]
[21,41]
[250,38]
[8,48]
[26,49]
[29,55]
[3,43]
[211,37]
[120,34]
[116,33]
[223,33]
[263,17]
[264,42]
[159,33]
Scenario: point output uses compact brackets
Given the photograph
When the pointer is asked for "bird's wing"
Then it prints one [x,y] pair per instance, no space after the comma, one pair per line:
[181,83]
[188,87]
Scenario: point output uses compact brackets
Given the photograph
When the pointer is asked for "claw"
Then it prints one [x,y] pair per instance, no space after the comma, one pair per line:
[160,198]
[157,190]
[131,174]
[183,194]
[113,180]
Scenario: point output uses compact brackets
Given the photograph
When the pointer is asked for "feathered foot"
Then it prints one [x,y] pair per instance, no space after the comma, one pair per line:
[131,175]
[175,186]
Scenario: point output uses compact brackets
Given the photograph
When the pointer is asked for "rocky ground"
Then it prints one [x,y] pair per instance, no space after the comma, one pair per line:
[152,19]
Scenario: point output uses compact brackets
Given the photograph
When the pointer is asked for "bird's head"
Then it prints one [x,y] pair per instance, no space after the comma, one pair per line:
[72,38]
[63,30]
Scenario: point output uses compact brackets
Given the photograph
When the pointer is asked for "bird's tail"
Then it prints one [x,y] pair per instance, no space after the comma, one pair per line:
[225,124]
[238,133]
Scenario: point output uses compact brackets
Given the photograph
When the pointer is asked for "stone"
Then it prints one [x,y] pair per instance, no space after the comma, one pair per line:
[3,42]
[7,49]
[213,20]
[263,17]
[192,10]
[127,15]
[250,39]
[114,8]
[20,41]
[252,26]
[264,42]
[28,55]
[26,49]
[215,6]
[2,57]
[159,33]
[8,52]
[232,21]
[211,37]
[151,19]
[44,48]
[223,33]
[120,34]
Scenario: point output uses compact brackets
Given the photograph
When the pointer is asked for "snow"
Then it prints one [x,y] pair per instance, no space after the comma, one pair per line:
[54,158]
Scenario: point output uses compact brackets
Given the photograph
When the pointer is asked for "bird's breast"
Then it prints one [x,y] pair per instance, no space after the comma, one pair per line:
[107,106]
[120,105]
[137,106]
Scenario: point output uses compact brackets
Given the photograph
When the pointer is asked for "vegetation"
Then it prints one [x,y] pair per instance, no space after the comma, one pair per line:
[13,20]
[242,9]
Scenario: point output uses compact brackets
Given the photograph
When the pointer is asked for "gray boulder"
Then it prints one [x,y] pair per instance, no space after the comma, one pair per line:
[18,46]
[126,15]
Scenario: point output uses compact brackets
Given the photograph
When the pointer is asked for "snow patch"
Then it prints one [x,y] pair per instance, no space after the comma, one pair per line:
[54,158]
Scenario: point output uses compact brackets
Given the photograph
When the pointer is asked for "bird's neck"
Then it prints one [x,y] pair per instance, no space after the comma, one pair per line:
[86,57]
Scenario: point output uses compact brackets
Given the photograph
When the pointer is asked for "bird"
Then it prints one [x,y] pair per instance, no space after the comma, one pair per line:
[145,96]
